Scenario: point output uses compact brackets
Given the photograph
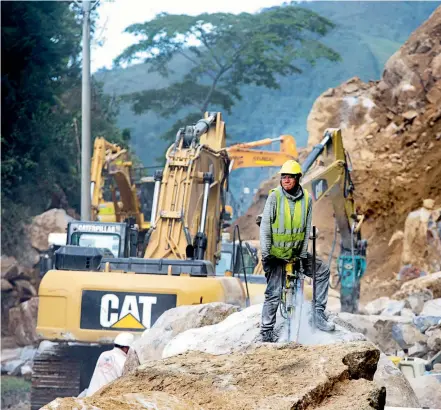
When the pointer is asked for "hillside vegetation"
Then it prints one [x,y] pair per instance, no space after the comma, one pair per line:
[367,34]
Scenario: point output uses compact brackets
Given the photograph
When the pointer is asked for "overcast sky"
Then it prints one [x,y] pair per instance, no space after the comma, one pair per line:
[115,16]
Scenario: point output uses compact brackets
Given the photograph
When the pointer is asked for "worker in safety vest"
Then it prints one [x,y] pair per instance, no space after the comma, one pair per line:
[284,233]
[110,364]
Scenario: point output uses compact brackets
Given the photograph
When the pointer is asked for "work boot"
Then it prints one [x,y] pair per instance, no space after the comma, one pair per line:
[268,336]
[322,323]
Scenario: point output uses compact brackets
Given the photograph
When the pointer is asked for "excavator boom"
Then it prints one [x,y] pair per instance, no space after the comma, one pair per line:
[331,177]
[244,156]
[110,160]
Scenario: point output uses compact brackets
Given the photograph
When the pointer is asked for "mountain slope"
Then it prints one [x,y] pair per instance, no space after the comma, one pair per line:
[367,34]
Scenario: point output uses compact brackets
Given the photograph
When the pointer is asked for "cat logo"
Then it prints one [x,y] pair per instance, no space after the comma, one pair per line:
[135,312]
[123,310]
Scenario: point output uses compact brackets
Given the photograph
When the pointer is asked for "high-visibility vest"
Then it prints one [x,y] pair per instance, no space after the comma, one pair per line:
[288,231]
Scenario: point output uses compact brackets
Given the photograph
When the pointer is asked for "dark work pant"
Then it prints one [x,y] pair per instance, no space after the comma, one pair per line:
[275,282]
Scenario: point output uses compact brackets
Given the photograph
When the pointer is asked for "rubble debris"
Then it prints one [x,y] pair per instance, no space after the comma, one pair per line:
[377,329]
[290,376]
[375,307]
[399,393]
[418,299]
[424,322]
[172,322]
[407,335]
[23,322]
[394,307]
[432,308]
[430,282]
[428,390]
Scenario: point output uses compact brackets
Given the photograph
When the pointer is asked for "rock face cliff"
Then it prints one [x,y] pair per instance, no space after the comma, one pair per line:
[392,131]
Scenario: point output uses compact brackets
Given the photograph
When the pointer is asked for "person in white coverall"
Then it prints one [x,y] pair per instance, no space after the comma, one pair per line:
[110,364]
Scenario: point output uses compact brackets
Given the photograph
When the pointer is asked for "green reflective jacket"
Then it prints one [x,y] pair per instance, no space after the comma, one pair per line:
[288,231]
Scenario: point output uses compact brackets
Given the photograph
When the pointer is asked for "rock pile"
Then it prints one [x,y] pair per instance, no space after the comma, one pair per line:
[20,279]
[408,323]
[195,360]
[18,361]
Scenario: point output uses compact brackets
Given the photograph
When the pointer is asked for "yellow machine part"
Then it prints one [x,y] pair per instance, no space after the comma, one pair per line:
[106,212]
[94,306]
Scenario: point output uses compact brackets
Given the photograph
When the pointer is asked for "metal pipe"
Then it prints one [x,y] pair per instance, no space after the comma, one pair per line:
[316,151]
[86,139]
[208,179]
[314,236]
[158,179]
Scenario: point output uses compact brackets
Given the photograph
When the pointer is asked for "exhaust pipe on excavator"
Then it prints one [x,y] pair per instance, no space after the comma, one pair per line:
[158,180]
[200,241]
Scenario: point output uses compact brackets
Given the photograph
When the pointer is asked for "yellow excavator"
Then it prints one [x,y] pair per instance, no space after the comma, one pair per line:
[99,287]
[111,163]
[331,177]
[244,155]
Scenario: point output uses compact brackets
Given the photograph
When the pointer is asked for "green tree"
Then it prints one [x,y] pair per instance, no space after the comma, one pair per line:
[41,113]
[225,51]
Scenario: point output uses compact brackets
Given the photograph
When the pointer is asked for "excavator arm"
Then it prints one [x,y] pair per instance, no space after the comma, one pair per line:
[188,194]
[244,156]
[114,160]
[327,173]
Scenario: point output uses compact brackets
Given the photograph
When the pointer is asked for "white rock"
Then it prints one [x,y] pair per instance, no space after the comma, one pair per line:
[376,306]
[432,308]
[406,312]
[241,331]
[428,390]
[394,308]
[418,299]
[377,329]
[177,320]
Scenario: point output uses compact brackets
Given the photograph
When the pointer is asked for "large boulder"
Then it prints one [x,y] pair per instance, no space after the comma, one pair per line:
[269,376]
[431,282]
[23,322]
[399,392]
[132,401]
[428,390]
[54,220]
[172,322]
[241,331]
[377,329]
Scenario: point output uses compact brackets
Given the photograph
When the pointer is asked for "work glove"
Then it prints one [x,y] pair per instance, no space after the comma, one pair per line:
[268,264]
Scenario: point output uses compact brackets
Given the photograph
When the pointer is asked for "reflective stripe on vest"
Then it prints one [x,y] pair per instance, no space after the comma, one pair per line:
[288,231]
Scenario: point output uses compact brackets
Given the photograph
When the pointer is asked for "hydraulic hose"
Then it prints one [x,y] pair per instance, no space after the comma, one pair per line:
[237,229]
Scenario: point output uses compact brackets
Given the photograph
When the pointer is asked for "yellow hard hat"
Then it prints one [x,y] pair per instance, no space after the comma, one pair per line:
[291,167]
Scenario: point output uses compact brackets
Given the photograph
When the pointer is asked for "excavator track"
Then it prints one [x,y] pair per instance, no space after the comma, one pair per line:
[62,371]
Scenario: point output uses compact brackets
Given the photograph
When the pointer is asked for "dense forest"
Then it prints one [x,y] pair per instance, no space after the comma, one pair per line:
[263,97]
[41,112]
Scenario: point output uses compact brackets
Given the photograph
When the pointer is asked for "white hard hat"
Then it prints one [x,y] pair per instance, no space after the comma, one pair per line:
[124,339]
